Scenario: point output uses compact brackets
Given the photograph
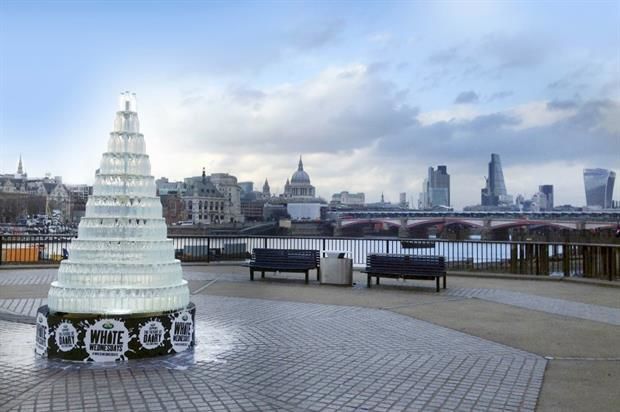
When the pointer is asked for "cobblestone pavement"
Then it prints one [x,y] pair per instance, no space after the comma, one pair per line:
[269,355]
[562,307]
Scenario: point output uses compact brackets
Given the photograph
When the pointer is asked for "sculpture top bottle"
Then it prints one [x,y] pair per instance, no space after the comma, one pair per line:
[121,262]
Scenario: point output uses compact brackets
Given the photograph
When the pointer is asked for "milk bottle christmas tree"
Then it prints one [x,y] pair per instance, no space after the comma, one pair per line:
[121,263]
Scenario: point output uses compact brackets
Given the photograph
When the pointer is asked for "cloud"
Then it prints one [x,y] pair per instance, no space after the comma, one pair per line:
[500,95]
[380,38]
[247,95]
[446,56]
[379,66]
[562,104]
[317,36]
[340,109]
[526,140]
[573,80]
[466,97]
[514,50]
[358,131]
[490,56]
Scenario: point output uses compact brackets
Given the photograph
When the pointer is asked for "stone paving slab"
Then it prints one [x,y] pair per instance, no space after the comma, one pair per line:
[257,354]
[25,307]
[562,307]
[28,277]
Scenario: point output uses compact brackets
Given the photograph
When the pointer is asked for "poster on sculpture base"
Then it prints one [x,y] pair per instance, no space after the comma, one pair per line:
[106,338]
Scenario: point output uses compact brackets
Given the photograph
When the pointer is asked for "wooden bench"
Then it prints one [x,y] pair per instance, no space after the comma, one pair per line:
[406,267]
[284,260]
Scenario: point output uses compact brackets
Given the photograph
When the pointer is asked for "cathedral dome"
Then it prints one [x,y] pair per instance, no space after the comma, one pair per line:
[300,176]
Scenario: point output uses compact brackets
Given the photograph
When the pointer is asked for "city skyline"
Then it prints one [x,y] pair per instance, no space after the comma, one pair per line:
[424,202]
[371,95]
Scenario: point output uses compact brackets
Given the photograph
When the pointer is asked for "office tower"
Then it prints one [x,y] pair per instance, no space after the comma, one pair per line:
[494,192]
[246,187]
[436,189]
[547,191]
[403,200]
[599,185]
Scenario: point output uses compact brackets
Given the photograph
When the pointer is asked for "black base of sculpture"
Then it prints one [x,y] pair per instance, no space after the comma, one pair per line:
[107,338]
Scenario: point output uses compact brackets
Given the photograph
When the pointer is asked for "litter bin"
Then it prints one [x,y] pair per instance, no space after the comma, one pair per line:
[336,268]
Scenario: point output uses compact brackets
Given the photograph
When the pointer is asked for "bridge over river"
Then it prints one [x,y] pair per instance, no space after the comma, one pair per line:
[462,224]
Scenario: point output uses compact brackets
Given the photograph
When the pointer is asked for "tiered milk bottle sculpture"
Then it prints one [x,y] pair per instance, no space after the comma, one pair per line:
[121,262]
[121,294]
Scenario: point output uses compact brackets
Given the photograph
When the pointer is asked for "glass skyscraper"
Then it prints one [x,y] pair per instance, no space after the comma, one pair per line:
[547,191]
[495,191]
[599,185]
[436,188]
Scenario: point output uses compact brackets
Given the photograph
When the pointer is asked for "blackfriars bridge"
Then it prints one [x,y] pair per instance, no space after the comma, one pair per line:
[490,225]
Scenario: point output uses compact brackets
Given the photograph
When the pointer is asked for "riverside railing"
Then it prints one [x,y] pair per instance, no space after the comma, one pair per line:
[600,261]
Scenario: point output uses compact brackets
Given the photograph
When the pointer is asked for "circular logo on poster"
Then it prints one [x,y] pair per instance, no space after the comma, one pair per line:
[106,340]
[43,334]
[66,336]
[151,334]
[182,331]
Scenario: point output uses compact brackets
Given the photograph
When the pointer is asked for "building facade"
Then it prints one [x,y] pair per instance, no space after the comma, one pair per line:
[349,199]
[436,189]
[246,187]
[227,185]
[203,203]
[55,194]
[494,193]
[166,187]
[253,202]
[212,200]
[173,208]
[546,192]
[599,185]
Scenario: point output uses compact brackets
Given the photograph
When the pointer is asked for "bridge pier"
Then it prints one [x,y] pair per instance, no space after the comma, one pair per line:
[454,233]
[418,232]
[403,230]
[496,234]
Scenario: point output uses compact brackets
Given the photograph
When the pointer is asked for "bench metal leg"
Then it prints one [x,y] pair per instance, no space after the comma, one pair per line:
[444,281]
[368,280]
[251,274]
[437,282]
[318,278]
[262,275]
[378,279]
[307,277]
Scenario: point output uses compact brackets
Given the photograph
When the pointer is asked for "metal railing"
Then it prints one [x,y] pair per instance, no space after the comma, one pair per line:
[601,261]
[33,249]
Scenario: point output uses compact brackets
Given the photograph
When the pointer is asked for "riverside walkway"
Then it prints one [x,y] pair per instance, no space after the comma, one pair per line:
[277,344]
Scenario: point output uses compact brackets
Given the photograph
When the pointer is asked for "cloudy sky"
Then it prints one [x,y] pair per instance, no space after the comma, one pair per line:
[371,94]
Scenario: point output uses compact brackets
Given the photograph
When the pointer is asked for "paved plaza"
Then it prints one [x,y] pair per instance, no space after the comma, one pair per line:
[282,345]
